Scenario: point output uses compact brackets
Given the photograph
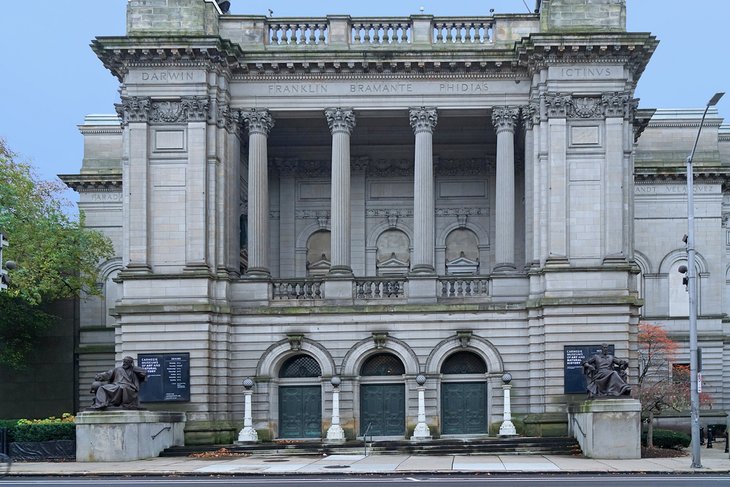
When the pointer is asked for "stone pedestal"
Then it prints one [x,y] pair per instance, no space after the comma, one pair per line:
[120,436]
[607,428]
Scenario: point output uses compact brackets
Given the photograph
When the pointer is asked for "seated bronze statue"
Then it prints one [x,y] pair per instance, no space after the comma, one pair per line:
[118,387]
[606,375]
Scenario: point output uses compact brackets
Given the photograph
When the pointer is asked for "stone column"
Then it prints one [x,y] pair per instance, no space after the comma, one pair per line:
[529,114]
[259,124]
[341,122]
[423,121]
[504,119]
[421,432]
[507,428]
[335,433]
[247,434]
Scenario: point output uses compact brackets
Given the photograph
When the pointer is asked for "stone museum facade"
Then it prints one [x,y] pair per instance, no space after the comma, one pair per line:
[374,199]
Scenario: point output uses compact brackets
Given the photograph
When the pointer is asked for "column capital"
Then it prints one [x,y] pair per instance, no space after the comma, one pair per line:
[133,109]
[505,118]
[258,121]
[423,119]
[530,115]
[619,104]
[340,119]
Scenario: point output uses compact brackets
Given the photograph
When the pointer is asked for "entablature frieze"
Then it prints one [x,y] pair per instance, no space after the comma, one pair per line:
[599,106]
[145,109]
[120,54]
[632,50]
[382,167]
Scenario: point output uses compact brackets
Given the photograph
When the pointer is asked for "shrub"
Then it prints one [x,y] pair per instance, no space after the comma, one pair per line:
[668,439]
[47,429]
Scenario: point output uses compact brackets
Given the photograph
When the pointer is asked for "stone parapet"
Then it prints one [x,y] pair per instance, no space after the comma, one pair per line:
[583,16]
[120,436]
[607,428]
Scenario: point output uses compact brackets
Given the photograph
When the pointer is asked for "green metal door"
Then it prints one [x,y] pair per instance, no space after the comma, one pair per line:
[384,407]
[300,412]
[464,408]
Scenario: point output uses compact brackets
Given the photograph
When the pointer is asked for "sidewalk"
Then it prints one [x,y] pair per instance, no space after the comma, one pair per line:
[713,461]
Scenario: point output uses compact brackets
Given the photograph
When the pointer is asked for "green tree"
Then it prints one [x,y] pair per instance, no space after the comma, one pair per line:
[57,257]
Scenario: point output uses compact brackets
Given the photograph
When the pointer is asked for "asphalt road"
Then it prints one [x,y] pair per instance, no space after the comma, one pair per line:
[474,480]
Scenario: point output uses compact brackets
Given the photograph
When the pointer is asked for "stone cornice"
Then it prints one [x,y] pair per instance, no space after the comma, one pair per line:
[630,49]
[118,54]
[710,175]
[92,182]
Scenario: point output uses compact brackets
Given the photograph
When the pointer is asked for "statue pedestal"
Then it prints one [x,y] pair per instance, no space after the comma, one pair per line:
[607,428]
[122,435]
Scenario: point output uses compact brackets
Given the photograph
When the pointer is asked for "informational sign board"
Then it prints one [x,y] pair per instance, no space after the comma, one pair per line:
[574,380]
[168,377]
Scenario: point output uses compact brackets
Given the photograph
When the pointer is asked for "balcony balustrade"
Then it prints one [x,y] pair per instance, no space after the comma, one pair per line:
[363,33]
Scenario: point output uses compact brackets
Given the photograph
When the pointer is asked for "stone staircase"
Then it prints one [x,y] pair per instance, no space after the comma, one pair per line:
[446,446]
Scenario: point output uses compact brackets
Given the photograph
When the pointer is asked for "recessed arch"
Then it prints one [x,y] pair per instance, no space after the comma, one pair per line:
[362,350]
[482,347]
[274,357]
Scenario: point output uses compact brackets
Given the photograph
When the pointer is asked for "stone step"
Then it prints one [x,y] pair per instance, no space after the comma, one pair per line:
[448,446]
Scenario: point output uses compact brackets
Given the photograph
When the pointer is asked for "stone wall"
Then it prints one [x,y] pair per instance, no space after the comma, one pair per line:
[583,16]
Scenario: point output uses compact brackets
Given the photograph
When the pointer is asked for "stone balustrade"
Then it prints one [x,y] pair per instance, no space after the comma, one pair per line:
[288,289]
[380,31]
[297,32]
[338,31]
[463,31]
[464,287]
[380,288]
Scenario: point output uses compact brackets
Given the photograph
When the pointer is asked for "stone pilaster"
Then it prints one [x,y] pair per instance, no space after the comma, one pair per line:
[341,123]
[423,120]
[134,112]
[529,118]
[259,123]
[505,119]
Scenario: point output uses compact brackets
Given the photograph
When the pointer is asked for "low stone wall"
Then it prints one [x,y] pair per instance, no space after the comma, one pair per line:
[109,436]
[607,428]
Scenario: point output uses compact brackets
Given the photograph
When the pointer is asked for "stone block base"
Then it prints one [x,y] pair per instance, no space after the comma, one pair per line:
[607,428]
[118,436]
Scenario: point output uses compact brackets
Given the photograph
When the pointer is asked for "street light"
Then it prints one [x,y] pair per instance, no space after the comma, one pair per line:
[692,289]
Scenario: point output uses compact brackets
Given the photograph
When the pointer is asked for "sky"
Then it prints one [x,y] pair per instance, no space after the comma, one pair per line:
[51,78]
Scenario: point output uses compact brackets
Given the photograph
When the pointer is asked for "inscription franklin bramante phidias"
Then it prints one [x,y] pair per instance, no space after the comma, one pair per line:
[606,375]
[118,387]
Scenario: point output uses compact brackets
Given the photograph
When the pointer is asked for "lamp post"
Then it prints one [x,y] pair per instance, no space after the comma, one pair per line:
[692,289]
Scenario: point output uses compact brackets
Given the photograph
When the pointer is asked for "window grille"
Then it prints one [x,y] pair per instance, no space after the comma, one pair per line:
[300,366]
[464,363]
[383,364]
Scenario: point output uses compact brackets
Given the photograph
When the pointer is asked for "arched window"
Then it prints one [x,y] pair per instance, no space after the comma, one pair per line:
[300,366]
[464,363]
[382,364]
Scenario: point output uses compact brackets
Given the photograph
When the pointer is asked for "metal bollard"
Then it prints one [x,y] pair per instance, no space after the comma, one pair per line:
[702,436]
[710,436]
[727,441]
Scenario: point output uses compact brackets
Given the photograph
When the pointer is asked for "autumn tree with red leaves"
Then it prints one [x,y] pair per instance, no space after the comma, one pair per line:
[660,385]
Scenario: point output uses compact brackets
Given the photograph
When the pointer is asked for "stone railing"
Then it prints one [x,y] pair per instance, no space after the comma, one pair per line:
[380,31]
[464,287]
[307,289]
[463,31]
[297,32]
[380,288]
[362,33]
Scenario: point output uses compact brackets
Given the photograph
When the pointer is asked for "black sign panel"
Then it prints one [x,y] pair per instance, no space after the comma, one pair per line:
[574,380]
[168,377]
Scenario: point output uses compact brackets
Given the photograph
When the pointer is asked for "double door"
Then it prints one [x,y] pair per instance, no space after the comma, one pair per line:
[464,408]
[300,412]
[383,406]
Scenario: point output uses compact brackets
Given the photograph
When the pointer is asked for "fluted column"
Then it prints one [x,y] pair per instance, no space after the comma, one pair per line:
[341,122]
[423,121]
[259,124]
[504,119]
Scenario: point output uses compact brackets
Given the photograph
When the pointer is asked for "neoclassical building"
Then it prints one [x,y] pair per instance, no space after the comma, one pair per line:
[373,199]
